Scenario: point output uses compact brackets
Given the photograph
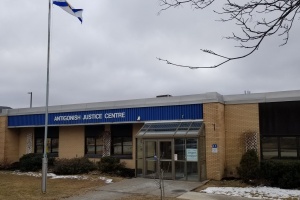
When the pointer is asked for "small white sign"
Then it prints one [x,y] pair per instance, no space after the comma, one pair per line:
[175,157]
[214,148]
[191,155]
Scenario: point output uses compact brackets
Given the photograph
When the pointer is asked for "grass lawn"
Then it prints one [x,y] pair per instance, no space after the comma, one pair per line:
[14,186]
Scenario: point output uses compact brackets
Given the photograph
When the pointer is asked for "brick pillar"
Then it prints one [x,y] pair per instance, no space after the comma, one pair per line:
[213,117]
[3,122]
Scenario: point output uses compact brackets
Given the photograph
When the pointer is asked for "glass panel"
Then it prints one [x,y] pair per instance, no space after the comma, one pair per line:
[54,145]
[191,143]
[183,128]
[288,143]
[48,149]
[117,150]
[39,149]
[99,140]
[150,149]
[139,168]
[90,141]
[151,161]
[160,132]
[99,149]
[289,153]
[288,147]
[165,150]
[166,166]
[191,149]
[90,149]
[192,171]
[169,129]
[194,129]
[117,141]
[127,141]
[39,141]
[269,147]
[179,171]
[180,149]
[139,149]
[151,169]
[127,150]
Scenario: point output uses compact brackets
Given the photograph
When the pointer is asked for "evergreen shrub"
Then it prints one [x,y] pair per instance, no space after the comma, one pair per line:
[249,166]
[33,162]
[73,166]
[110,165]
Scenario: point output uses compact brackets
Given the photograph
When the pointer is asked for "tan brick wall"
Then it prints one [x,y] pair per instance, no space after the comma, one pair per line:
[3,123]
[213,117]
[71,141]
[238,119]
[9,142]
[23,140]
[12,145]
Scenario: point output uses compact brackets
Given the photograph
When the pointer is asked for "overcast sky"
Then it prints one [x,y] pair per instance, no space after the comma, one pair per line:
[112,55]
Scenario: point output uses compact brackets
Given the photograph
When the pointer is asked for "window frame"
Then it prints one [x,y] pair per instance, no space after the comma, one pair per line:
[94,132]
[53,134]
[280,148]
[122,132]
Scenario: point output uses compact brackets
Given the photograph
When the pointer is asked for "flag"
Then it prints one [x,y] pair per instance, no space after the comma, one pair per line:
[68,8]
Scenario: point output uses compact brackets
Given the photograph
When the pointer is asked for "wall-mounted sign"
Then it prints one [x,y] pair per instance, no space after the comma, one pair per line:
[191,155]
[173,112]
[214,148]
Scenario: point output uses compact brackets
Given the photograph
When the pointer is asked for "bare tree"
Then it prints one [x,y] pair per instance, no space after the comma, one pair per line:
[257,20]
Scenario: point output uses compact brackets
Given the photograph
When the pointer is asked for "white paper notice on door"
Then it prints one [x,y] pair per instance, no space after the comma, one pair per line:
[175,157]
[191,155]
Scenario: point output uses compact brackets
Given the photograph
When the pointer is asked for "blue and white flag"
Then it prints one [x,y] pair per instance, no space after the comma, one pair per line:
[68,8]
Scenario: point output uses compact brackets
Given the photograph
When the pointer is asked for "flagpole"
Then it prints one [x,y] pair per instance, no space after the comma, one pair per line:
[45,159]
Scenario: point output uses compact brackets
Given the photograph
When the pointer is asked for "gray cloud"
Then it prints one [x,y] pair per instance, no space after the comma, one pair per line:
[112,55]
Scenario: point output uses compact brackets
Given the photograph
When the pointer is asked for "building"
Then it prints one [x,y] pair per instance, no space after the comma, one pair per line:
[194,137]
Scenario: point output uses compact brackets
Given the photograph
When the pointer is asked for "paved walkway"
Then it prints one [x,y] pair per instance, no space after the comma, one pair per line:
[126,187]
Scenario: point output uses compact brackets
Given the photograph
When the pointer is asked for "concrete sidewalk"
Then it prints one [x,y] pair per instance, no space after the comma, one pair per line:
[204,196]
[126,187]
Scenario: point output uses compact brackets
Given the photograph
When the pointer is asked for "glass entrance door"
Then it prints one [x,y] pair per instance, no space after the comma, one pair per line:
[166,158]
[158,156]
[150,166]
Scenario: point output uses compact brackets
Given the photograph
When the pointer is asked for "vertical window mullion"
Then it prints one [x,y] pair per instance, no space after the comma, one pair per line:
[279,147]
[50,150]
[95,145]
[298,156]
[122,145]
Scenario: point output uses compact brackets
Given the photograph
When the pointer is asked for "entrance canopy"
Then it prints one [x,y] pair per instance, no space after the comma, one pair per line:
[172,129]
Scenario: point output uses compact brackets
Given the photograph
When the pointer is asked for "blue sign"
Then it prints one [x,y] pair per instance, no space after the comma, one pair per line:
[214,146]
[177,112]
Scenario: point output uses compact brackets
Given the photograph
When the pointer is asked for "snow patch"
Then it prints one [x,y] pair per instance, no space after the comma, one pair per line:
[54,176]
[254,192]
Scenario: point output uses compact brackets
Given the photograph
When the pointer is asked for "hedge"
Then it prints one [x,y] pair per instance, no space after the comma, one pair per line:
[73,166]
[281,173]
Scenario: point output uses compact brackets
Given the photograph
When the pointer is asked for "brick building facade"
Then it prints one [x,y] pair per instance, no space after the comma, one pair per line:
[196,137]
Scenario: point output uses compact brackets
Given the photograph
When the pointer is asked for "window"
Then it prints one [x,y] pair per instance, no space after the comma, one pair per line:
[94,140]
[280,130]
[180,149]
[52,140]
[269,147]
[288,147]
[280,147]
[122,140]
